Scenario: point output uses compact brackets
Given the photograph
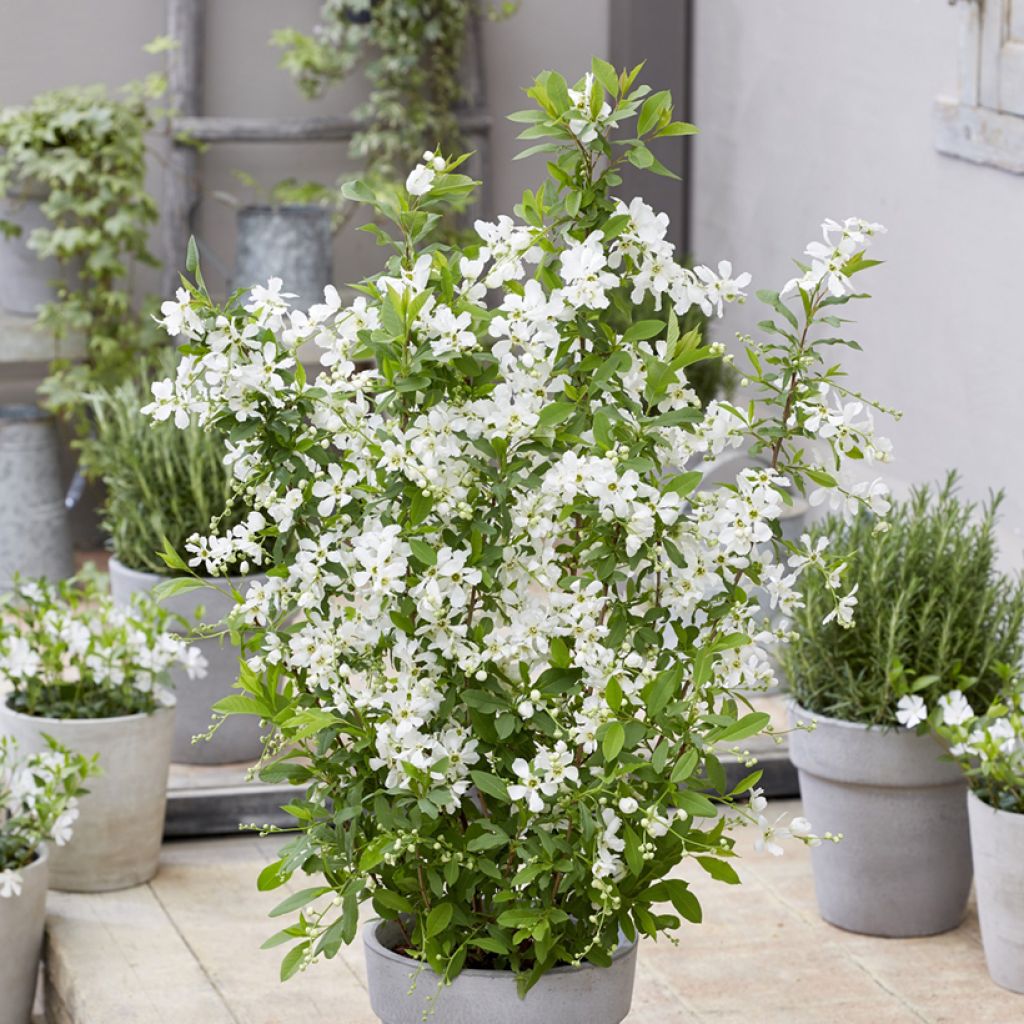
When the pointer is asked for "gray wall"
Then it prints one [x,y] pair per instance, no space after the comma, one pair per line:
[815,108]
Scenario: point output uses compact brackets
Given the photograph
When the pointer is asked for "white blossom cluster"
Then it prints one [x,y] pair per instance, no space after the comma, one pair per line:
[376,614]
[71,642]
[38,803]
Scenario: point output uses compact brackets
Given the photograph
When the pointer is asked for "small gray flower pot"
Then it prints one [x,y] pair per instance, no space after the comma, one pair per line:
[403,991]
[290,241]
[997,842]
[26,281]
[34,536]
[22,919]
[116,840]
[237,739]
[903,867]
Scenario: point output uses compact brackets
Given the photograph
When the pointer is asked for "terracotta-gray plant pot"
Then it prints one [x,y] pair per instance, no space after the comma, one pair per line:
[403,991]
[116,840]
[903,867]
[26,281]
[997,842]
[22,919]
[237,739]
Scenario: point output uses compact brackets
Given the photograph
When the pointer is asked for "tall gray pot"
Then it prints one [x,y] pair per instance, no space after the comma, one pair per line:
[566,995]
[903,867]
[237,739]
[997,842]
[34,537]
[292,242]
[116,840]
[22,919]
[26,281]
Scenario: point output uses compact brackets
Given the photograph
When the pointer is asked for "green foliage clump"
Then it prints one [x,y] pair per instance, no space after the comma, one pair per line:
[933,612]
[87,150]
[161,482]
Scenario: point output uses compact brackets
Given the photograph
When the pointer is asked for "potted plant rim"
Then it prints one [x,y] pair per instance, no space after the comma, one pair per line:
[500,643]
[933,615]
[988,746]
[38,805]
[163,488]
[90,674]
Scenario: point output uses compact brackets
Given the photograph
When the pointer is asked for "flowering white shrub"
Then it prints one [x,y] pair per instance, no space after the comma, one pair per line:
[988,746]
[506,630]
[67,651]
[38,798]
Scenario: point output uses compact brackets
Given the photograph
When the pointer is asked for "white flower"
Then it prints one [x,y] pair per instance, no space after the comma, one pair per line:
[420,180]
[911,710]
[628,805]
[10,883]
[956,709]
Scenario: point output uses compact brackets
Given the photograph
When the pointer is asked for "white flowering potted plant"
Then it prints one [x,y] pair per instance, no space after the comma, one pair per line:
[934,615]
[505,636]
[91,674]
[988,747]
[38,805]
[163,487]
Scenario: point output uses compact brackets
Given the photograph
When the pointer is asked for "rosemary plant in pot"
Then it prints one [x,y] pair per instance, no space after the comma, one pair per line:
[502,637]
[163,487]
[933,615]
[988,746]
[90,674]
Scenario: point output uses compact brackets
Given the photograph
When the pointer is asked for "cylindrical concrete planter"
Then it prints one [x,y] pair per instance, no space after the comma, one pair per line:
[903,867]
[403,991]
[292,242]
[34,536]
[26,281]
[997,842]
[237,739]
[116,840]
[21,930]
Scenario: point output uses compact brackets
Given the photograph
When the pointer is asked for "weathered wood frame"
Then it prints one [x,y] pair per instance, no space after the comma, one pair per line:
[181,193]
[968,127]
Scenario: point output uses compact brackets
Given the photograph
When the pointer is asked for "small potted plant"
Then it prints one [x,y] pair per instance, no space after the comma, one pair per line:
[38,798]
[932,615]
[90,674]
[163,488]
[988,746]
[501,641]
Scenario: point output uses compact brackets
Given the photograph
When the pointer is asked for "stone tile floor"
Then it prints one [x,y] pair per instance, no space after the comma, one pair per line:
[185,949]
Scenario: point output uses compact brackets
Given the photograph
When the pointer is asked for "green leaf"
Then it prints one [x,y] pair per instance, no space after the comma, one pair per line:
[685,483]
[614,738]
[559,656]
[651,111]
[748,725]
[179,585]
[558,92]
[605,74]
[556,413]
[674,128]
[642,330]
[423,552]
[821,478]
[720,870]
[237,704]
[293,960]
[662,689]
[490,784]
[299,899]
[272,877]
[641,156]
[438,919]
[685,766]
[171,558]
[695,804]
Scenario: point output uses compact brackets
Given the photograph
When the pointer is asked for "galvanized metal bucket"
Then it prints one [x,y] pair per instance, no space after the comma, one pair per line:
[292,242]
[34,537]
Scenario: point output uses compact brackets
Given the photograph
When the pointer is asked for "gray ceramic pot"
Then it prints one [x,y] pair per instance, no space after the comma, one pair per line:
[903,867]
[238,739]
[997,842]
[292,242]
[566,995]
[116,841]
[34,536]
[21,930]
[26,281]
